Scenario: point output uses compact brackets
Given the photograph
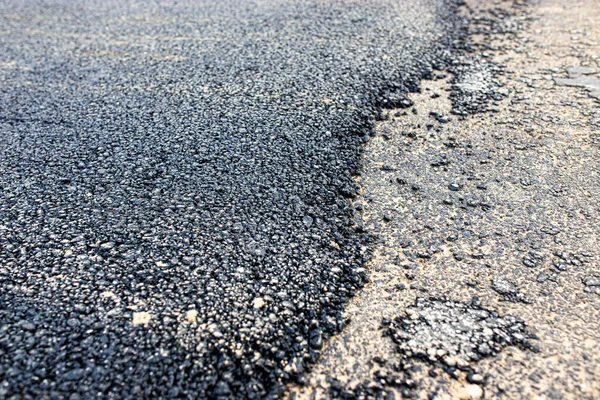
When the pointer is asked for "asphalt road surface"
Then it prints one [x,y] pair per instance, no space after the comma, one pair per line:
[175,176]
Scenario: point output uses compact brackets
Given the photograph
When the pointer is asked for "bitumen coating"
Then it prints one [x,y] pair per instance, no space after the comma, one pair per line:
[176,176]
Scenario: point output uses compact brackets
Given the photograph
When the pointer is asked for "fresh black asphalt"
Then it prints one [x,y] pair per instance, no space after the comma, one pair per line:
[189,162]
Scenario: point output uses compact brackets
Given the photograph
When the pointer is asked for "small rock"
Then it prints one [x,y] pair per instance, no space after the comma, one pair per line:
[455,187]
[379,360]
[443,119]
[106,295]
[542,277]
[107,245]
[591,280]
[258,302]
[473,391]
[504,287]
[191,316]
[308,221]
[27,326]
[73,322]
[74,374]
[141,318]
[475,378]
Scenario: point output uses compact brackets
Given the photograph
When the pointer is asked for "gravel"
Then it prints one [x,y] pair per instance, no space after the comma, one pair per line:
[454,333]
[174,208]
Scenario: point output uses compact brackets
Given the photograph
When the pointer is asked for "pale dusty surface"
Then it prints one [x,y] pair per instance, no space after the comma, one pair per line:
[526,213]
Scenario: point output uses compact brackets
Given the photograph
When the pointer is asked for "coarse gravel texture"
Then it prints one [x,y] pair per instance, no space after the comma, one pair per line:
[454,334]
[498,210]
[175,216]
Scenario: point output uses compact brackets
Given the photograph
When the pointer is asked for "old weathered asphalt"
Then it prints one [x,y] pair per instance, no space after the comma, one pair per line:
[174,215]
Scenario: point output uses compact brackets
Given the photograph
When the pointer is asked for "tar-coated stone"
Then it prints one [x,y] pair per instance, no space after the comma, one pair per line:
[454,333]
[165,164]
[508,290]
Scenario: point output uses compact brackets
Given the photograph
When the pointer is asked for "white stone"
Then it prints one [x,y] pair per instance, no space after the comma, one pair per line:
[191,316]
[258,302]
[141,318]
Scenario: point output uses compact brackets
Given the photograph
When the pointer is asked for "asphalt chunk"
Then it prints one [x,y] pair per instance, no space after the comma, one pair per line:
[453,333]
[164,157]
